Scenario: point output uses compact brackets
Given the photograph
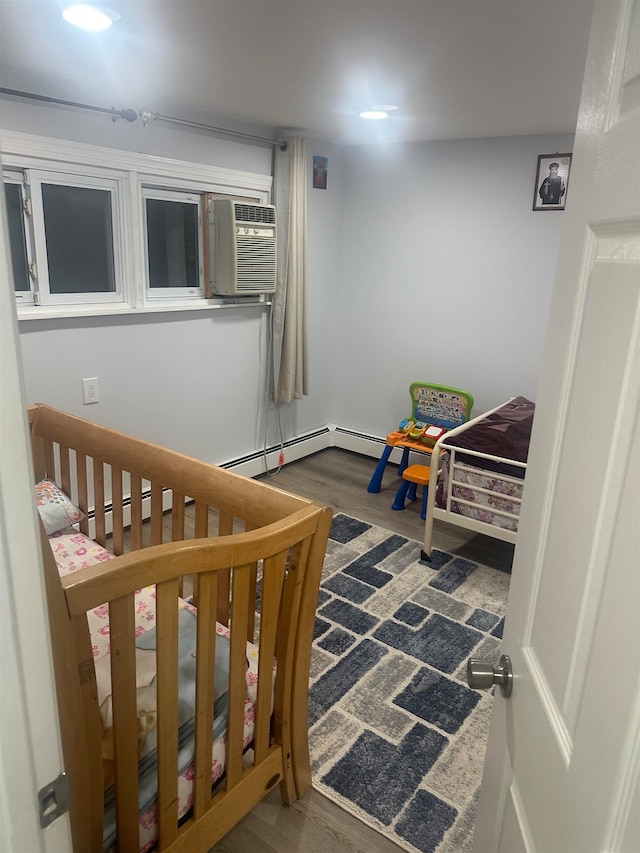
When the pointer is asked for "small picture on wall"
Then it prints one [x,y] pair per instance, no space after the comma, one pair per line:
[319,173]
[552,180]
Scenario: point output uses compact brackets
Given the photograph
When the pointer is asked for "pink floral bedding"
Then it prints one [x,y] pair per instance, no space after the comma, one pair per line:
[74,551]
[503,491]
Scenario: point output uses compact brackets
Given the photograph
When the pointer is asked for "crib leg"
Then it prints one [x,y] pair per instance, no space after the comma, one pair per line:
[288,790]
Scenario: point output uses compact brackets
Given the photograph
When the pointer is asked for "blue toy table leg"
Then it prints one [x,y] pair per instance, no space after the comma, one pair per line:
[425,493]
[401,494]
[376,480]
[404,462]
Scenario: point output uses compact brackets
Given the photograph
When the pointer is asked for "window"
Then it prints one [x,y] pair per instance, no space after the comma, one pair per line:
[173,224]
[78,253]
[19,236]
[97,230]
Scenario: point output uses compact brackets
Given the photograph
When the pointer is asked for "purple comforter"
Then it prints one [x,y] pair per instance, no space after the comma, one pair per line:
[505,433]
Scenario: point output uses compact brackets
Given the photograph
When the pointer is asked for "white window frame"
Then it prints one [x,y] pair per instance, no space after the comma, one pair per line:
[155,294]
[25,153]
[18,178]
[111,185]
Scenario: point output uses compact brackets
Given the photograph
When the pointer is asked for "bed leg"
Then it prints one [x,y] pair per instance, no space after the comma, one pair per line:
[427,508]
[425,553]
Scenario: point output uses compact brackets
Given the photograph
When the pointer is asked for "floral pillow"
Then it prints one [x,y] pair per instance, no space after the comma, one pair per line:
[55,508]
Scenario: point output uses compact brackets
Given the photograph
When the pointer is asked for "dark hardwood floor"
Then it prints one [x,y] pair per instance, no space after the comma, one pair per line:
[340,478]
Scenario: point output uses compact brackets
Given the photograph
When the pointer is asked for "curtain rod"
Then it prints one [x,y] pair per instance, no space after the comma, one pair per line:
[128,115]
[147,116]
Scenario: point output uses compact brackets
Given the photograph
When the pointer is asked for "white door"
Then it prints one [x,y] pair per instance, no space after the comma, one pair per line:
[563,758]
[30,751]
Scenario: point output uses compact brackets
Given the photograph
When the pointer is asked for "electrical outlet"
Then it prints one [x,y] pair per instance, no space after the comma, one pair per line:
[90,391]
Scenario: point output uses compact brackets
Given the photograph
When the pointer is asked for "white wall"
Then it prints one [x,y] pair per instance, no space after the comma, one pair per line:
[446,274]
[426,262]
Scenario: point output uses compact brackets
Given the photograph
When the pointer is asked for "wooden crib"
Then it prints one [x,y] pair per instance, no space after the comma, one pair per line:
[246,547]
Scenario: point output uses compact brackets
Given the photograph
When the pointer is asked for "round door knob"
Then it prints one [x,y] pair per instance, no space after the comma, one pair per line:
[481,675]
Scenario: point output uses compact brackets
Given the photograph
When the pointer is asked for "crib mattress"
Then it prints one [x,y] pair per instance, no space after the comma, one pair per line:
[74,551]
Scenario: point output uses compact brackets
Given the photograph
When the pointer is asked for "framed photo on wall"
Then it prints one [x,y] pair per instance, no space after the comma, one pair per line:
[320,172]
[552,181]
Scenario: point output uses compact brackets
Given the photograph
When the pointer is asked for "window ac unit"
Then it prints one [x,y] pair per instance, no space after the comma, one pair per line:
[245,248]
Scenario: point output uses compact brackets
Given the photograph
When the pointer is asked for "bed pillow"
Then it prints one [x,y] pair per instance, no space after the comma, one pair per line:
[55,508]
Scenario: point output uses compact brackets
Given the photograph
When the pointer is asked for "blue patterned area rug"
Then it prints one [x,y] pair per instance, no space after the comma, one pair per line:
[397,737]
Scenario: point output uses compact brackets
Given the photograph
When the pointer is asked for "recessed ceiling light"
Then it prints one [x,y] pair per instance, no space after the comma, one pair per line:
[373,114]
[378,111]
[92,18]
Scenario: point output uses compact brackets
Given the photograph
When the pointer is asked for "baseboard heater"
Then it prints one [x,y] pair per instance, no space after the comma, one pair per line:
[275,448]
[360,435]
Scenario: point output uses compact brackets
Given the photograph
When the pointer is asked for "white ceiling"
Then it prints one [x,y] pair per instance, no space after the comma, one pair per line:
[455,68]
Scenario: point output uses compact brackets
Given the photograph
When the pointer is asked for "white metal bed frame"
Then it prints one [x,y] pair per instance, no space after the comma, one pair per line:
[447,513]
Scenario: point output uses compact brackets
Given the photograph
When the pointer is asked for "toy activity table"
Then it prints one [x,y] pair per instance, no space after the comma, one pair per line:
[434,410]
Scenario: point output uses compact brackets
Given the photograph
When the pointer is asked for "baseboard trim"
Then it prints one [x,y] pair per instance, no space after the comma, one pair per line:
[363,443]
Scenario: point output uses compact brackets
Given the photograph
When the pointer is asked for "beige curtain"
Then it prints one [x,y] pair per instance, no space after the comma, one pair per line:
[289,312]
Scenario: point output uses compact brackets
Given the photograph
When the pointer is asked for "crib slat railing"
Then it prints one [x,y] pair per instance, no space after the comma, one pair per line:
[156,514]
[83,491]
[234,494]
[99,501]
[273,575]
[205,690]
[167,686]
[50,459]
[125,719]
[177,526]
[243,784]
[251,610]
[225,528]
[117,511]
[237,673]
[136,512]
[177,517]
[65,470]
[201,531]
[253,588]
[225,524]
[285,651]
[38,451]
